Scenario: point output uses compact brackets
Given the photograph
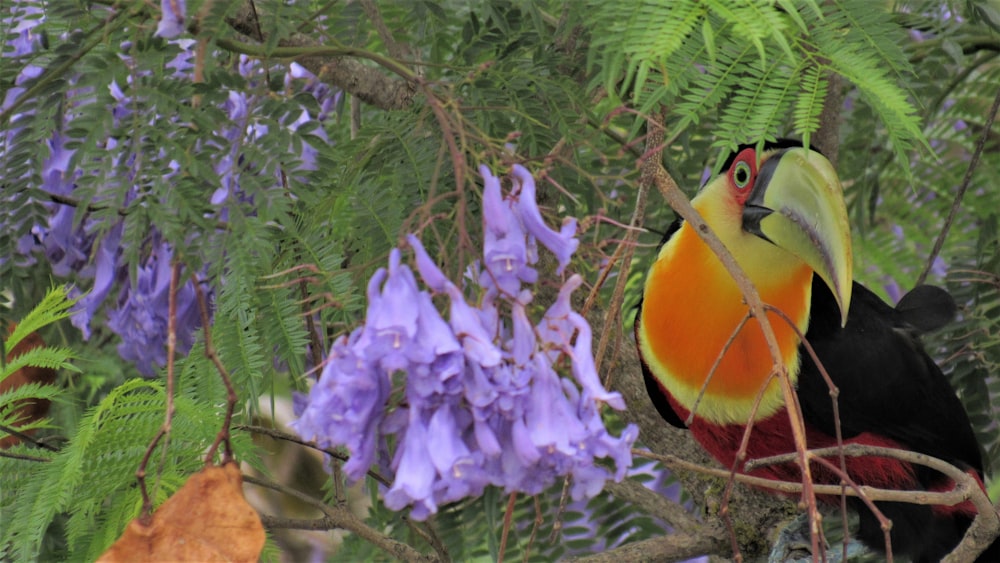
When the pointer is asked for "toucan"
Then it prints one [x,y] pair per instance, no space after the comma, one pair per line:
[780,211]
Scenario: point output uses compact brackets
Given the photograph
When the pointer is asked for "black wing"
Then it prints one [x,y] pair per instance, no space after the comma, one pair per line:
[657,394]
[888,384]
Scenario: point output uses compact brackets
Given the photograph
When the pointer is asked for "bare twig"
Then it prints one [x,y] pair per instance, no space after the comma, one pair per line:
[834,394]
[626,250]
[949,498]
[967,487]
[395,49]
[658,506]
[279,435]
[715,367]
[672,547]
[537,523]
[22,457]
[339,517]
[140,473]
[563,503]
[680,203]
[25,438]
[231,397]
[508,521]
[368,84]
[966,181]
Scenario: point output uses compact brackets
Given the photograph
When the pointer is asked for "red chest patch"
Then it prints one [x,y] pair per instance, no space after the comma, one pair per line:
[773,436]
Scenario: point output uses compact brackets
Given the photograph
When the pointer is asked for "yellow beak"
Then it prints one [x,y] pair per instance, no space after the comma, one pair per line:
[797,203]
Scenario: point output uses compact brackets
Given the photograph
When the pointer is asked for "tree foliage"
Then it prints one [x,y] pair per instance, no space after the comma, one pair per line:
[138,136]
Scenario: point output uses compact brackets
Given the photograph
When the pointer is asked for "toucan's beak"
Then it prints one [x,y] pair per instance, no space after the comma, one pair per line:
[797,203]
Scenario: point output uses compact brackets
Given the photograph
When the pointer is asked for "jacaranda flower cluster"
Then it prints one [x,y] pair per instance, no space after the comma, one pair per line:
[133,297]
[483,401]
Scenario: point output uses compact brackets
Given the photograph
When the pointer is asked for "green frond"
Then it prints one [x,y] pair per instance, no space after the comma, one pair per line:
[809,103]
[53,307]
[44,357]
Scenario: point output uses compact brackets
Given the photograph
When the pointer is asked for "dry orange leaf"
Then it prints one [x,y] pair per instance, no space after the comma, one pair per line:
[26,411]
[206,520]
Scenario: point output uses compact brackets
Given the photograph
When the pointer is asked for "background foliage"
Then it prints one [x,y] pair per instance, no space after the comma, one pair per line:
[124,151]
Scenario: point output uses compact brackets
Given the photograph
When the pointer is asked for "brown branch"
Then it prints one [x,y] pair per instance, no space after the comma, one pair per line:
[970,487]
[827,138]
[22,457]
[279,435]
[680,203]
[25,438]
[948,498]
[140,472]
[966,181]
[835,406]
[535,524]
[231,397]
[281,523]
[394,48]
[352,76]
[673,547]
[658,506]
[507,523]
[627,250]
[339,517]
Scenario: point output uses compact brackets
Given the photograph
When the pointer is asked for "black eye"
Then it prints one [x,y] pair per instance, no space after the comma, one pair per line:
[741,175]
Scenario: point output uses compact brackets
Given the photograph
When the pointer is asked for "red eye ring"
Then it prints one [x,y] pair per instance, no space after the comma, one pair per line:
[743,172]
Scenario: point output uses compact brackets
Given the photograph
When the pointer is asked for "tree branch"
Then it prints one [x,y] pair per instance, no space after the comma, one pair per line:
[680,203]
[335,66]
[338,517]
[633,492]
[674,547]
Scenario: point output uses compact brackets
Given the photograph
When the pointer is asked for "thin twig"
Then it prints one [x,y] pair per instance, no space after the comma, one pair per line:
[340,517]
[537,523]
[458,163]
[22,457]
[231,397]
[680,203]
[962,479]
[846,481]
[25,438]
[508,521]
[949,498]
[834,395]
[715,367]
[279,435]
[140,473]
[966,181]
[561,511]
[626,250]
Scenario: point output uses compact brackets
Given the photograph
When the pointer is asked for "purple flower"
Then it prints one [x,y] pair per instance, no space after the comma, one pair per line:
[142,313]
[106,272]
[415,472]
[478,344]
[551,419]
[346,406]
[484,404]
[429,271]
[171,18]
[561,243]
[392,315]
[583,365]
[505,250]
